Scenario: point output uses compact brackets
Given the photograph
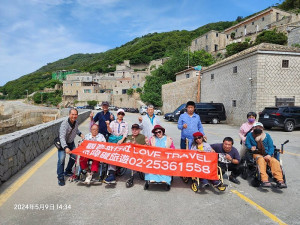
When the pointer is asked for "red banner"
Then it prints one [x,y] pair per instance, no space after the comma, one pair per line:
[155,160]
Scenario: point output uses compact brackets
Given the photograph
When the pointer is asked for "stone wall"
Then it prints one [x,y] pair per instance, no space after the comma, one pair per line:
[126,100]
[20,148]
[294,36]
[177,93]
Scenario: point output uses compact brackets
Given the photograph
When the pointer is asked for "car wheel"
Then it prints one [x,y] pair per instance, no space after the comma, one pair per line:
[289,126]
[214,121]
[159,114]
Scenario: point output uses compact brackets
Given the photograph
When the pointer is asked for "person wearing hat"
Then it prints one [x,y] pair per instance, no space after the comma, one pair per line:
[261,141]
[201,146]
[159,139]
[135,138]
[119,131]
[101,118]
[148,121]
[244,130]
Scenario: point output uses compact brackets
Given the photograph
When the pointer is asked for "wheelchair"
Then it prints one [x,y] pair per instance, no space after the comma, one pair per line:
[251,169]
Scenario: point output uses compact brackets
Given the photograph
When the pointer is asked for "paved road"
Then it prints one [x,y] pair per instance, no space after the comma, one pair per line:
[36,187]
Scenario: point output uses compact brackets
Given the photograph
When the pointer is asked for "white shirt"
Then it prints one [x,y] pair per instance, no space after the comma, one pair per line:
[147,126]
[99,137]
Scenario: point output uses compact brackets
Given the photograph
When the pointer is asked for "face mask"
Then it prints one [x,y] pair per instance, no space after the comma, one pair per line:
[251,120]
[257,131]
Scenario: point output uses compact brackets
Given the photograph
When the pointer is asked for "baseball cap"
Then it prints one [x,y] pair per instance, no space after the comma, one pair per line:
[135,126]
[120,110]
[258,124]
[105,103]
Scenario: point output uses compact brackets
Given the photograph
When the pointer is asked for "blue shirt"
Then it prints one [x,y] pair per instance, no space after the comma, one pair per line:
[193,125]
[267,142]
[101,117]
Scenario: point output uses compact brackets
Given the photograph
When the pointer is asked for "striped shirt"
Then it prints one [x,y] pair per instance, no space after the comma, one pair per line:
[67,134]
[119,129]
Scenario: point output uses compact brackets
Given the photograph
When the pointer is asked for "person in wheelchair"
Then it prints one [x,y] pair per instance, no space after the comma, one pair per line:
[93,136]
[201,146]
[261,145]
[232,156]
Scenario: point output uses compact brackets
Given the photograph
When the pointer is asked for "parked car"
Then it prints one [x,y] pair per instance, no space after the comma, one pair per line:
[167,116]
[171,116]
[133,110]
[157,112]
[88,107]
[98,107]
[143,110]
[208,112]
[287,117]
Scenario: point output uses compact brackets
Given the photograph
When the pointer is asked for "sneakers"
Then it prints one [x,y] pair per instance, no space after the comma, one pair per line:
[111,179]
[234,180]
[216,183]
[68,173]
[281,185]
[266,184]
[88,178]
[61,182]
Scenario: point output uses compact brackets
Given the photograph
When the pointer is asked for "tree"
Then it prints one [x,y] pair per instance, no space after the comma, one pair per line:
[236,48]
[92,103]
[290,4]
[239,19]
[271,36]
[139,90]
[130,91]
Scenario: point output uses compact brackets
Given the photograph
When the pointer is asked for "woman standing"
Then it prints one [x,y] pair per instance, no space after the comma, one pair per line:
[245,129]
[159,139]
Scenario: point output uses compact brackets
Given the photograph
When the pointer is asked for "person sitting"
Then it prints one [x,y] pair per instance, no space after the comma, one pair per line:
[244,130]
[93,136]
[159,139]
[263,143]
[119,131]
[232,156]
[201,146]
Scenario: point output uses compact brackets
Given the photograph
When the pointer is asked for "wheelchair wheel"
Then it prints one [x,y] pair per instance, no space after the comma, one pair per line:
[168,187]
[129,182]
[185,179]
[194,186]
[146,185]
[121,171]
[142,175]
[245,173]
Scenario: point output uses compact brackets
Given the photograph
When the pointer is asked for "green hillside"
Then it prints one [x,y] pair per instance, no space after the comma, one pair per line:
[140,50]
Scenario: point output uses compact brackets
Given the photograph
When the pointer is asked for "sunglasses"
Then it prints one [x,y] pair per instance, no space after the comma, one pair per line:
[158,132]
[123,114]
[196,138]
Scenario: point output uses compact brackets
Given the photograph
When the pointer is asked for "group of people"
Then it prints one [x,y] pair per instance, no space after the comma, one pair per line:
[148,131]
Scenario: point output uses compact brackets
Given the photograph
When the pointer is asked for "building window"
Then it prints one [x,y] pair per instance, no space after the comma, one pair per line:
[87,78]
[233,103]
[216,48]
[245,26]
[87,91]
[133,76]
[138,75]
[236,30]
[285,63]
[124,91]
[217,34]
[252,23]
[206,36]
[117,92]
[263,19]
[206,48]
[187,75]
[227,36]
[195,41]
[138,84]
[212,76]
[235,69]
[284,102]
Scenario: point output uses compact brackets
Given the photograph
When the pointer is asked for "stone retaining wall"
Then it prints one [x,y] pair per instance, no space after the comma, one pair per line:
[21,147]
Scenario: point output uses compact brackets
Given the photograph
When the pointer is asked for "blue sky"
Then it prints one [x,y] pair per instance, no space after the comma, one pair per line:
[36,32]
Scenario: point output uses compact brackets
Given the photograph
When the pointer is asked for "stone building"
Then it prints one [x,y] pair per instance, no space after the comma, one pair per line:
[294,36]
[212,41]
[261,76]
[184,89]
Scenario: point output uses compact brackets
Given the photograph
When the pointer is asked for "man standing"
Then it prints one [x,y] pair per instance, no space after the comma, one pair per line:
[67,133]
[148,121]
[102,117]
[232,158]
[189,123]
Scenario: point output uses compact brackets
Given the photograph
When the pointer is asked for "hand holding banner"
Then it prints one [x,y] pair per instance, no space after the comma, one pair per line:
[149,159]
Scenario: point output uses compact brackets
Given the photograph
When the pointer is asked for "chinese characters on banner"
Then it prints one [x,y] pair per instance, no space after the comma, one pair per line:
[149,159]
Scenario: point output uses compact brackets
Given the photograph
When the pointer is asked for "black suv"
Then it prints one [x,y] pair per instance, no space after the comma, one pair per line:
[208,112]
[287,117]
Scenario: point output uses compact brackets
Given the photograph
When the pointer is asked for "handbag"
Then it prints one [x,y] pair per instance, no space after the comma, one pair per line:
[57,143]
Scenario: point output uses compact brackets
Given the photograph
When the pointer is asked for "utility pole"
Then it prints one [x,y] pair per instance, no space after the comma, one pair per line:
[188,57]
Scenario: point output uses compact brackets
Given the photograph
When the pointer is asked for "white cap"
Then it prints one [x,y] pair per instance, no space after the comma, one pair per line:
[258,124]
[120,110]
